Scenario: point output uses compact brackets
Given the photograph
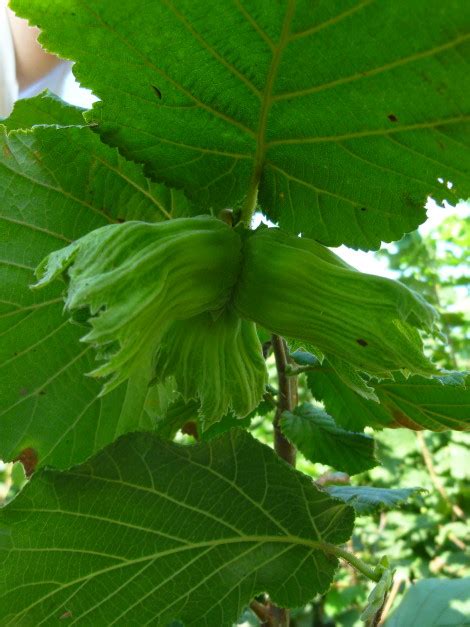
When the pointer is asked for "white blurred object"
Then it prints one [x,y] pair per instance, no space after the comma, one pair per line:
[55,81]
[75,94]
[8,84]
[436,214]
[63,83]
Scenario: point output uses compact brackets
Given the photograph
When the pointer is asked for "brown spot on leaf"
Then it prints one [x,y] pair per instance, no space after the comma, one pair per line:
[29,458]
[402,420]
[23,391]
[6,151]
[65,615]
[392,117]
[411,202]
[226,215]
[362,342]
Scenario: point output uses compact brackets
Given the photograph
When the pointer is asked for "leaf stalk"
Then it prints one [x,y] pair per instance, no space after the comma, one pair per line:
[356,562]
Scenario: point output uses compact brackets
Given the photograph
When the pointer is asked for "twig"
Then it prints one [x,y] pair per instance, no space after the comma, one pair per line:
[261,611]
[457,541]
[390,599]
[287,400]
[270,615]
[427,457]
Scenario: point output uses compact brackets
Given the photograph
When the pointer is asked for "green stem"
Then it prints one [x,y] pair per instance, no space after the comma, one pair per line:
[355,561]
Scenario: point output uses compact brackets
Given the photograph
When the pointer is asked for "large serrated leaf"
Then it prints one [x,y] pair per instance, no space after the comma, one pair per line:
[148,531]
[55,186]
[345,132]
[438,404]
[434,603]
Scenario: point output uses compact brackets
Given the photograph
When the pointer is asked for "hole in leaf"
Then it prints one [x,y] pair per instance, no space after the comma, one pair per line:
[361,342]
[157,92]
[190,428]
[392,117]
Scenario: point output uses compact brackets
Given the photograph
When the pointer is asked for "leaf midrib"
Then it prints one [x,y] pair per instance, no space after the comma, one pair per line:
[266,103]
[261,539]
[257,540]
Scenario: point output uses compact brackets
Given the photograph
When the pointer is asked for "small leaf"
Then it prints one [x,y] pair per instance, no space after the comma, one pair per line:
[149,531]
[437,404]
[367,500]
[310,358]
[434,602]
[304,358]
[223,97]
[319,439]
[44,109]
